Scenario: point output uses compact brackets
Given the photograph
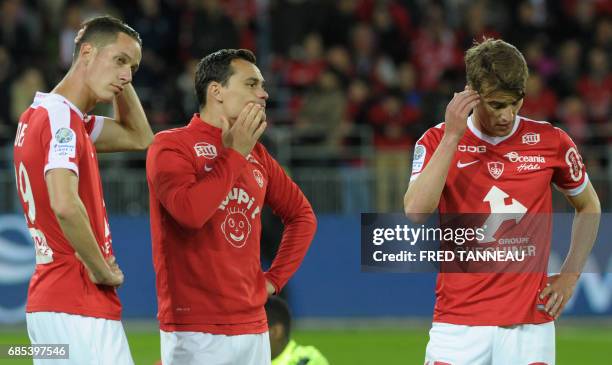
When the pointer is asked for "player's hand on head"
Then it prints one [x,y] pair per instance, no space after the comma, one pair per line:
[247,129]
[558,292]
[458,110]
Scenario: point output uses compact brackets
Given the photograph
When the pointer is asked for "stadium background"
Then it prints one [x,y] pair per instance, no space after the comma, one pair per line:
[352,83]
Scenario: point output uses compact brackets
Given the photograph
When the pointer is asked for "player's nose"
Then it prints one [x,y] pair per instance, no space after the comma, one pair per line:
[507,114]
[126,76]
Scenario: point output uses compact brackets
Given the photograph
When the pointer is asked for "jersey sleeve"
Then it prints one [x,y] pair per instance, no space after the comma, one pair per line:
[63,147]
[569,175]
[289,203]
[424,149]
[93,126]
[191,200]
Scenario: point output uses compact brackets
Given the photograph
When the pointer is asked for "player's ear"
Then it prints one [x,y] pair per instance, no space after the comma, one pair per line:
[214,90]
[86,52]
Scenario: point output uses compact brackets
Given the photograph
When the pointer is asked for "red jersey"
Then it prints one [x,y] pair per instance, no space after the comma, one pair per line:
[497,175]
[54,134]
[205,203]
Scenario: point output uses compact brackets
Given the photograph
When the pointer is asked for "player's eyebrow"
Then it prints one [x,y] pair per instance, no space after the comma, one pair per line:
[499,102]
[256,80]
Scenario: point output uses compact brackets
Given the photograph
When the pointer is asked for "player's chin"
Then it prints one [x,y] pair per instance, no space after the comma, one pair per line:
[106,97]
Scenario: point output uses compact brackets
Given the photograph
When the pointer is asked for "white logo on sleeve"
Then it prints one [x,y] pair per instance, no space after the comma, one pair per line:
[574,161]
[419,158]
[64,143]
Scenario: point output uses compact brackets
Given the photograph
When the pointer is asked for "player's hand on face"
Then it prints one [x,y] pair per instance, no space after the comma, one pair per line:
[559,290]
[458,110]
[247,129]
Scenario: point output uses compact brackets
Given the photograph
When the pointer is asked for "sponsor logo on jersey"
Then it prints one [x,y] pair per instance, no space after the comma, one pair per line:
[236,227]
[206,150]
[465,164]
[531,138]
[258,178]
[574,161]
[241,210]
[471,149]
[496,169]
[64,135]
[528,167]
[419,158]
[515,157]
[252,159]
[65,143]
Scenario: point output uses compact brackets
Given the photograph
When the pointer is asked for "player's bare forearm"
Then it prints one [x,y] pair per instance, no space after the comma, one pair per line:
[423,194]
[72,217]
[584,229]
[560,287]
[130,114]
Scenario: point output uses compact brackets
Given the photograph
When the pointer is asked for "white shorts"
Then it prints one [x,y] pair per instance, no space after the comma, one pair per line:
[195,348]
[526,344]
[91,341]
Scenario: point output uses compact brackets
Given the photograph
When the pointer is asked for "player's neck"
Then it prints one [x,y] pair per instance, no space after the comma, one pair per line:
[210,115]
[74,89]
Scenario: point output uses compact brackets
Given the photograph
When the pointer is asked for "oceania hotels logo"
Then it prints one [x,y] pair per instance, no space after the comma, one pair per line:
[17,261]
[515,157]
[528,163]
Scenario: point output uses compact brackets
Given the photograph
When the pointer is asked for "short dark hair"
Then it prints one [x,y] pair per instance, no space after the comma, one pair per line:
[217,67]
[277,311]
[103,30]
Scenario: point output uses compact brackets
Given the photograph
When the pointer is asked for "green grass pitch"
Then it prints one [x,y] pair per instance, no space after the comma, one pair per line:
[575,345]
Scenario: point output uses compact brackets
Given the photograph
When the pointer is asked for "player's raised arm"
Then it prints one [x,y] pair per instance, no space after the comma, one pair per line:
[423,194]
[63,186]
[192,199]
[129,130]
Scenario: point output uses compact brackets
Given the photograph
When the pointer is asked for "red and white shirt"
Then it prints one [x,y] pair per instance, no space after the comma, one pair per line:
[205,203]
[497,175]
[54,134]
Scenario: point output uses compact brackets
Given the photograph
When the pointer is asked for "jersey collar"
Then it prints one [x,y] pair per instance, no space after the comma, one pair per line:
[200,124]
[38,98]
[490,139]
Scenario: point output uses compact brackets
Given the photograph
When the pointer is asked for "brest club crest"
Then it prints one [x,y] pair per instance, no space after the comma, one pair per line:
[236,227]
[258,178]
[496,169]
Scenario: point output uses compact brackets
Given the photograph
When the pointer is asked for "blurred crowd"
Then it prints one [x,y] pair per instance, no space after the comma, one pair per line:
[333,68]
